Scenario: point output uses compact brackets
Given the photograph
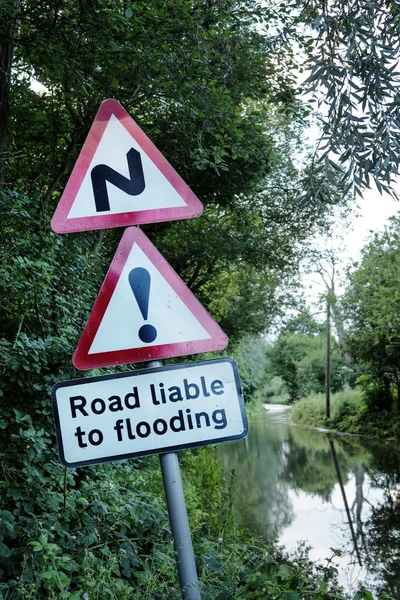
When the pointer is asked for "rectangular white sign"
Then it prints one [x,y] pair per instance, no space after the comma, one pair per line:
[149,411]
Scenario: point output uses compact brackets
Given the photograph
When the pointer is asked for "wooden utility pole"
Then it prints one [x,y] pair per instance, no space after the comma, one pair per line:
[328,355]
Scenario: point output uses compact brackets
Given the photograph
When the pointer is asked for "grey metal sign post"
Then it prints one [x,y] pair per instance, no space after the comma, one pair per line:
[178,519]
[180,526]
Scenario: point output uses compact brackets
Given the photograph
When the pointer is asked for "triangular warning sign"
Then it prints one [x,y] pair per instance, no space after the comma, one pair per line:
[120,179]
[144,311]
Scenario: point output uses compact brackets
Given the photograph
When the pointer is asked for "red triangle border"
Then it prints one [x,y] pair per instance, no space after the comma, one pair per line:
[83,360]
[61,224]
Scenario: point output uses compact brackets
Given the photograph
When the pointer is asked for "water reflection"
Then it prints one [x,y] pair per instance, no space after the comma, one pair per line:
[382,527]
[296,484]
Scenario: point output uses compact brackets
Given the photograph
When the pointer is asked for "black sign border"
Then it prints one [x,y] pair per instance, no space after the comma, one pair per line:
[138,372]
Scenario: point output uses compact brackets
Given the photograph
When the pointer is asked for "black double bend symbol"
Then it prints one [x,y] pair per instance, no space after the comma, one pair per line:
[133,186]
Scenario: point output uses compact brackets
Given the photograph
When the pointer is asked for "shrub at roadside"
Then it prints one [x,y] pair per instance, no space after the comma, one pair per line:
[102,532]
[347,410]
[350,413]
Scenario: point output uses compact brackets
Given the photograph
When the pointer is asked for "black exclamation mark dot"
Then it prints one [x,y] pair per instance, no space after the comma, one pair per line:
[139,280]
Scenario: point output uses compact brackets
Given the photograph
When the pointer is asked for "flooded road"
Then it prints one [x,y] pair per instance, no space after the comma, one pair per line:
[299,484]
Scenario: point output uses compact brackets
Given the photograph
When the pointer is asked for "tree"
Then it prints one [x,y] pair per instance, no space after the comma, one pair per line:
[8,27]
[372,303]
[251,358]
[303,323]
[193,93]
[298,356]
[214,97]
[351,49]
[353,80]
[325,264]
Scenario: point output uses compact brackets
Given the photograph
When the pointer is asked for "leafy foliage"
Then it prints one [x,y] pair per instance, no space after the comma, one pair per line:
[193,93]
[348,412]
[354,82]
[216,96]
[373,303]
[251,358]
[300,359]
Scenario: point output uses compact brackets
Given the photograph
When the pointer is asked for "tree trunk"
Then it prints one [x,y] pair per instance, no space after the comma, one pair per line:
[328,359]
[8,24]
[338,321]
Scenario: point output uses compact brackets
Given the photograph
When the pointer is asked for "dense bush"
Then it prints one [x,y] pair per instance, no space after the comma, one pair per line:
[350,413]
[300,360]
[346,411]
[102,532]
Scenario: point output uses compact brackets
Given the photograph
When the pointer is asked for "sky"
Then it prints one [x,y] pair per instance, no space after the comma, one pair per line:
[373,213]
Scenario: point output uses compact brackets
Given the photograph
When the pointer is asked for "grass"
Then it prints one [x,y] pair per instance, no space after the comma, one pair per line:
[254,406]
[349,414]
[347,409]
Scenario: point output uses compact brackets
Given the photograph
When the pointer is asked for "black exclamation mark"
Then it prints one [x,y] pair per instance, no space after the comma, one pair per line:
[139,280]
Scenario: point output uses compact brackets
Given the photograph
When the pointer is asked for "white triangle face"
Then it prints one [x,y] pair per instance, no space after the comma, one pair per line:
[111,151]
[119,328]
[120,178]
[144,311]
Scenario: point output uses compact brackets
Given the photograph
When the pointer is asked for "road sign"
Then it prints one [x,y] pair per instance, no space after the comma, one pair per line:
[144,312]
[121,179]
[149,411]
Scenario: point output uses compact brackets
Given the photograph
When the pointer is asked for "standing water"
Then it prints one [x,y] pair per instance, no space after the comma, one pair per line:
[298,485]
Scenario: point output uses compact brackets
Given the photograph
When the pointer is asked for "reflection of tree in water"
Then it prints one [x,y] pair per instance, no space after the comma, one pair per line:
[309,462]
[377,539]
[382,527]
[359,499]
[280,458]
[345,501]
[357,510]
[261,495]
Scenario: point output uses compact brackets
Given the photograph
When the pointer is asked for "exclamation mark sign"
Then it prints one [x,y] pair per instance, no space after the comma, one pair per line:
[140,280]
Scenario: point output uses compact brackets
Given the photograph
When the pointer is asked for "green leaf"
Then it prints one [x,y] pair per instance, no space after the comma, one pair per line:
[4,550]
[285,571]
[213,562]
